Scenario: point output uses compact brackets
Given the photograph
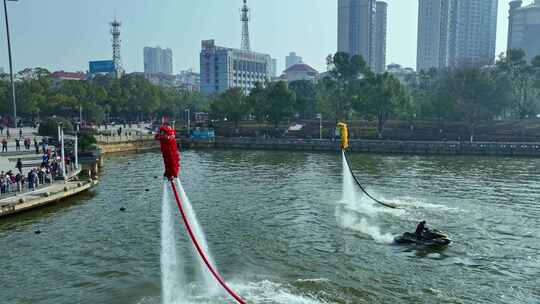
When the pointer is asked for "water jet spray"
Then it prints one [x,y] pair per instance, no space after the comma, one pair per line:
[171,158]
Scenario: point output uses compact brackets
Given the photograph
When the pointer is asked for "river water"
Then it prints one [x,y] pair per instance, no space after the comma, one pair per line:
[273,230]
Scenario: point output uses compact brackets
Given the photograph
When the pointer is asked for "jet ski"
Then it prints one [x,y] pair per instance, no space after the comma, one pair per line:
[428,238]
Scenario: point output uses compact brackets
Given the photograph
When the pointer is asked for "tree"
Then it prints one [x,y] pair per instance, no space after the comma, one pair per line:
[306,97]
[230,105]
[126,99]
[432,98]
[50,126]
[281,101]
[518,75]
[383,96]
[477,96]
[338,90]
[258,102]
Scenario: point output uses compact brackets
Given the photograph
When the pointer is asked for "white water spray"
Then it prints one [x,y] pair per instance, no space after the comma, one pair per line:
[171,279]
[351,205]
[210,284]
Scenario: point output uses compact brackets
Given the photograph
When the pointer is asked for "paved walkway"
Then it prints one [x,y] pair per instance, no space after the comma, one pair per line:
[30,159]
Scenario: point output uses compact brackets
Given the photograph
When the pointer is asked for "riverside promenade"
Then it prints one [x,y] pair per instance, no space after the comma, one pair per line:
[48,193]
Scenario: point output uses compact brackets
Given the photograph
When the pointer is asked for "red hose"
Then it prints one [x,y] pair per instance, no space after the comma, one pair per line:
[199,249]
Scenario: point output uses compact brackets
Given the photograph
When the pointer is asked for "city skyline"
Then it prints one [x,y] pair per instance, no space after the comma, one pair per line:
[40,36]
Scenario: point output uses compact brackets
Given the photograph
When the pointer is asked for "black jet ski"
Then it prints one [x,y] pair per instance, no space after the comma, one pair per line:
[429,238]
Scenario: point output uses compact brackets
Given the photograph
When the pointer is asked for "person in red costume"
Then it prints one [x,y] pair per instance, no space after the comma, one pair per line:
[169,149]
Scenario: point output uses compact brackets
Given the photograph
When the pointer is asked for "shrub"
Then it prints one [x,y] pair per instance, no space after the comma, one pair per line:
[49,127]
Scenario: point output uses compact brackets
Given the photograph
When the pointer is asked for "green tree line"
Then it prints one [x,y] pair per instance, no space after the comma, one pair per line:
[510,89]
[129,98]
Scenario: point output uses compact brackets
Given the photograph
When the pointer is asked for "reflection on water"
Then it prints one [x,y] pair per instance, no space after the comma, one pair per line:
[270,222]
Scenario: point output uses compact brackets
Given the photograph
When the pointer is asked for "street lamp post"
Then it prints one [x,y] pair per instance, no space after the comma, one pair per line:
[60,143]
[77,147]
[80,116]
[11,67]
[188,121]
[64,173]
[319,116]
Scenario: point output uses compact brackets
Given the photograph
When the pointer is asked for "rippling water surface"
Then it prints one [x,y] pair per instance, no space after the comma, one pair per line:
[271,224]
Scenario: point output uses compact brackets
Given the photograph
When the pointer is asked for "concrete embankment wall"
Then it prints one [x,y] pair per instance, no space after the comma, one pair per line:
[118,144]
[129,147]
[52,194]
[374,146]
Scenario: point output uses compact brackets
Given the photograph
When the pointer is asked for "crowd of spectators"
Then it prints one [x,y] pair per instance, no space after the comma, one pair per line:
[16,180]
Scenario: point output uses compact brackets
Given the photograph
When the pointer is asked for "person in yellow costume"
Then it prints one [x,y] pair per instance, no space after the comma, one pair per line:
[344,133]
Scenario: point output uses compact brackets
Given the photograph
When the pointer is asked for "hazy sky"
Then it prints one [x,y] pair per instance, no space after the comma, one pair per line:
[66,34]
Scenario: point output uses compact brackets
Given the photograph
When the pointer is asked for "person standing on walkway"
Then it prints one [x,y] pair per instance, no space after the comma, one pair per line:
[43,145]
[35,176]
[7,133]
[18,180]
[19,165]
[2,183]
[30,179]
[20,133]
[1,129]
[4,145]
[36,145]
[17,144]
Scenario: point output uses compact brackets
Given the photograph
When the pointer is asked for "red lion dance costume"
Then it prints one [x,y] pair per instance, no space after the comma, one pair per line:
[169,148]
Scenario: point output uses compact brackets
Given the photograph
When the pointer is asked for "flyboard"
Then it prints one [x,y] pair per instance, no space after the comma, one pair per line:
[171,158]
[344,133]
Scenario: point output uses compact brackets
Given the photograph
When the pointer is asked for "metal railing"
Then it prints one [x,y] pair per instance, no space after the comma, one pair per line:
[10,188]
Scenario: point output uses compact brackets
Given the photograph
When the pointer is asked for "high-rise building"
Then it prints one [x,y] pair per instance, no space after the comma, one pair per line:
[224,68]
[273,68]
[356,24]
[292,59]
[157,61]
[524,28]
[380,41]
[433,34]
[359,33]
[166,61]
[456,33]
[475,32]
